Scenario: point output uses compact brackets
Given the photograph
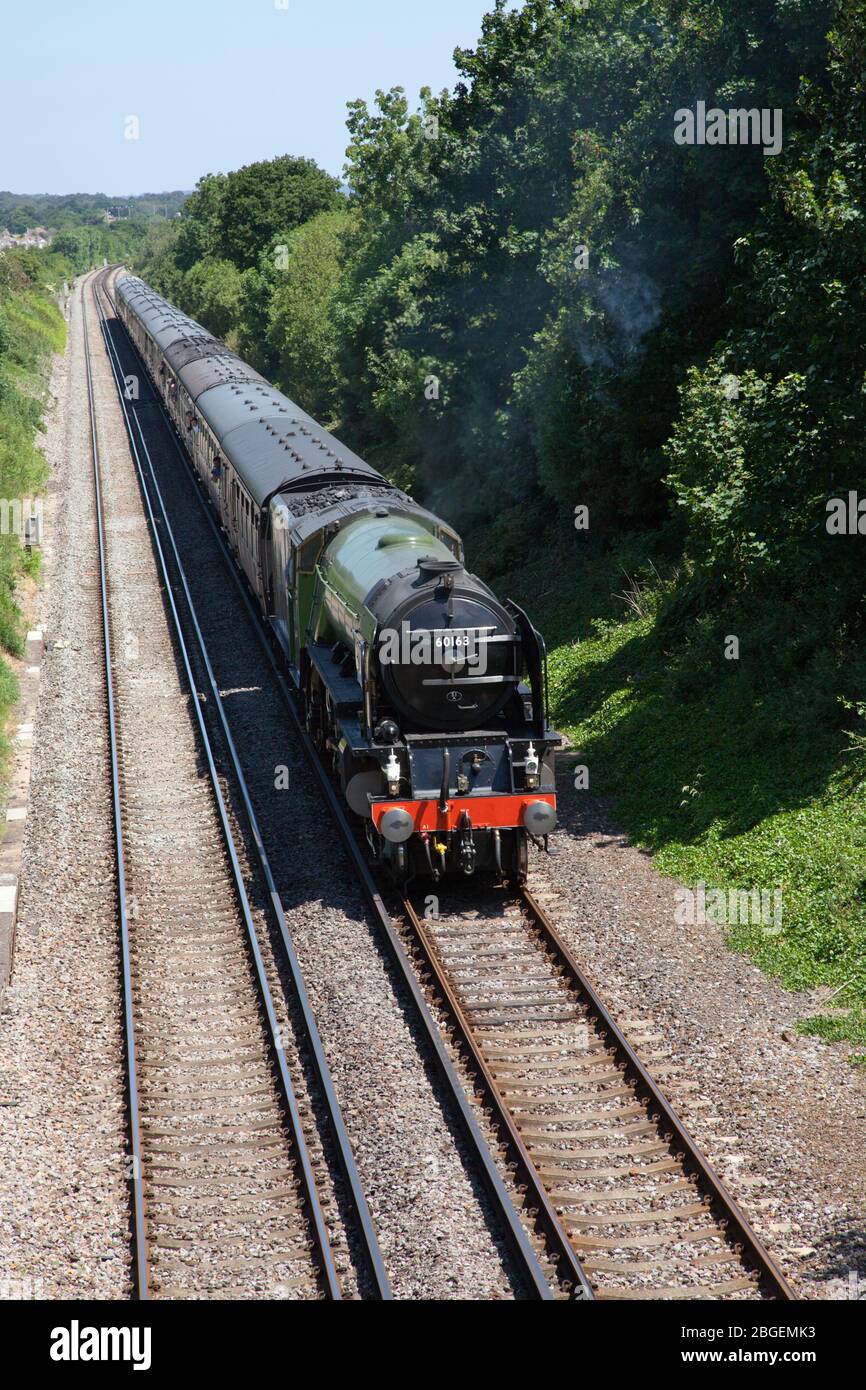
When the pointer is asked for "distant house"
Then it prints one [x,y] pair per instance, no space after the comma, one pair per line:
[34,236]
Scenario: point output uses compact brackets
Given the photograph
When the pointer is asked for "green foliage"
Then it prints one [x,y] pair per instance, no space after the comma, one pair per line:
[753,474]
[85,247]
[301,329]
[847,1025]
[31,328]
[560,135]
[219,260]
[238,216]
[199,234]
[261,201]
[156,259]
[212,294]
[382,401]
[56,211]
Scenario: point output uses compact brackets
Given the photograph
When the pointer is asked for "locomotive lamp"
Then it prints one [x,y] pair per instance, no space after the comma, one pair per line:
[397,825]
[386,732]
[531,767]
[392,774]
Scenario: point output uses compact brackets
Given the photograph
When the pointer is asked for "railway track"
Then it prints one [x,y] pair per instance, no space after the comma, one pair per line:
[530,1260]
[616,1200]
[226,1186]
[597,1144]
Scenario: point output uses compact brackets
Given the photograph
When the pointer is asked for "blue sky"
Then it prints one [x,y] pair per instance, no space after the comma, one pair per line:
[214,83]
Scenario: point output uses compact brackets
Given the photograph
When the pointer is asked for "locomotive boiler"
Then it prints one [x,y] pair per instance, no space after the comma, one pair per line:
[425,692]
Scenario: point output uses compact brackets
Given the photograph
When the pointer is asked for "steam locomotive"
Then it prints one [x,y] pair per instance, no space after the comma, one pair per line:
[412,674]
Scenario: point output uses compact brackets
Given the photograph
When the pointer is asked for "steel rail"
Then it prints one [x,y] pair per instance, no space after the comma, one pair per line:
[521,1245]
[324,1079]
[555,1233]
[571,1269]
[736,1224]
[317,1220]
[139,1228]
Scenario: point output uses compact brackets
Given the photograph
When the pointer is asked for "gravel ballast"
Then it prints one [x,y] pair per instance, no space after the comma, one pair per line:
[64,1212]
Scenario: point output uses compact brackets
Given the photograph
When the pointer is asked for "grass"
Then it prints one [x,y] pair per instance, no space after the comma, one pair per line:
[31,328]
[735,773]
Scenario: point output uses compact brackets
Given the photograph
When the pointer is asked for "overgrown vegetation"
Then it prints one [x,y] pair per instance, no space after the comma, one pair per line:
[84,247]
[31,328]
[729,776]
[533,299]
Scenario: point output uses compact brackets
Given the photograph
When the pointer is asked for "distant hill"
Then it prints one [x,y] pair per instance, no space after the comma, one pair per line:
[57,211]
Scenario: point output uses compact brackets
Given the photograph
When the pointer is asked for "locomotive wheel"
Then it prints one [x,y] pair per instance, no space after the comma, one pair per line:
[398,867]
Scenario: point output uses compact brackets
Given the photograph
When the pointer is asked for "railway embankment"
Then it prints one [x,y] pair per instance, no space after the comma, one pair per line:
[32,378]
[707,868]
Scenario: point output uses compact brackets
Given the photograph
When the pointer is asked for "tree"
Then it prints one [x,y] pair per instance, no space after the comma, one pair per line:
[557,140]
[302,330]
[771,428]
[157,260]
[199,233]
[261,200]
[212,294]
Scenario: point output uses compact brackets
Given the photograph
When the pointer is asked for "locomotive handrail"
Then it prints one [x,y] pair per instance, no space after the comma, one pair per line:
[536,661]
